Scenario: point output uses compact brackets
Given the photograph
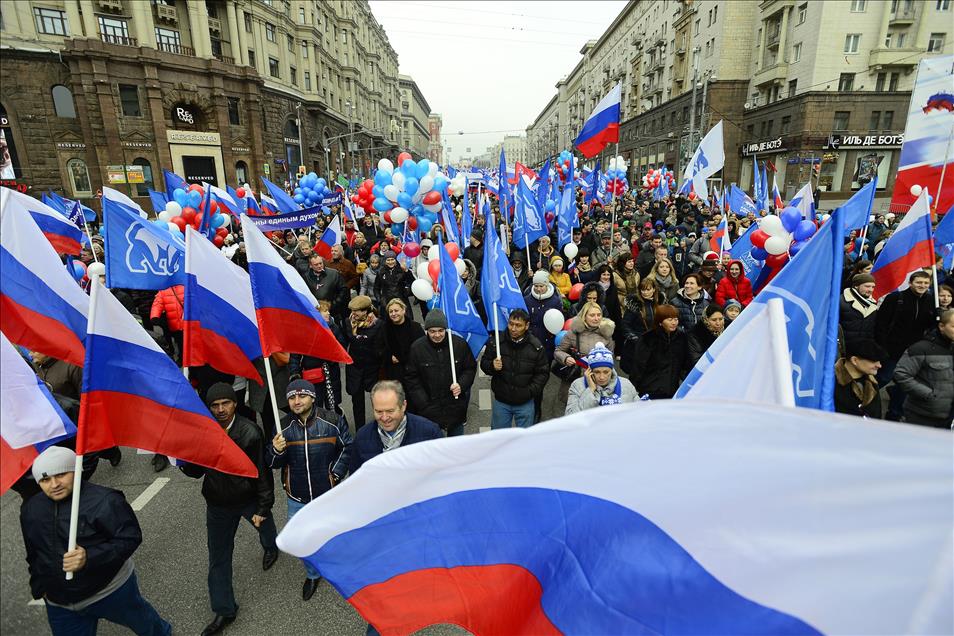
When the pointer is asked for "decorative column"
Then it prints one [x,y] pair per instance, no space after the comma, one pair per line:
[89,18]
[144,27]
[199,29]
[236,41]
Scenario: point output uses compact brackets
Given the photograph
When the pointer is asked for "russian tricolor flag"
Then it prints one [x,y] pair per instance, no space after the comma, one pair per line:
[908,249]
[329,238]
[30,418]
[720,241]
[63,234]
[779,204]
[602,127]
[287,311]
[220,328]
[134,395]
[41,306]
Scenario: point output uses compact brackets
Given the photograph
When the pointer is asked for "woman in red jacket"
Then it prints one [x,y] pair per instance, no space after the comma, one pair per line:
[169,303]
[735,285]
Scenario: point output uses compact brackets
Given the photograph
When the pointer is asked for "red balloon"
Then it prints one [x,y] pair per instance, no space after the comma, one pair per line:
[180,223]
[759,237]
[452,250]
[776,260]
[432,197]
[214,206]
[240,192]
[434,268]
[197,221]
[387,217]
[412,223]
[196,187]
[404,156]
[355,198]
[222,231]
[368,184]
[566,325]
[218,241]
[188,214]
[575,292]
[692,196]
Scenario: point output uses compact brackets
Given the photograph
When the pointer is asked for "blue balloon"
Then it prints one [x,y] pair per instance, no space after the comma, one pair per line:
[299,198]
[404,200]
[195,198]
[312,197]
[551,206]
[298,190]
[417,210]
[804,231]
[397,229]
[382,205]
[796,247]
[440,183]
[424,224]
[791,218]
[422,168]
[320,183]
[409,168]
[411,184]
[218,221]
[560,336]
[181,197]
[382,178]
[759,254]
[378,192]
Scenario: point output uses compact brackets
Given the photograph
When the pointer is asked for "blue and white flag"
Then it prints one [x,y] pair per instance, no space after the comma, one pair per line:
[503,187]
[857,210]
[566,213]
[497,282]
[810,288]
[758,194]
[140,255]
[467,222]
[173,181]
[528,220]
[742,251]
[283,202]
[706,161]
[740,203]
[543,185]
[462,316]
[449,219]
[804,200]
[944,239]
[159,201]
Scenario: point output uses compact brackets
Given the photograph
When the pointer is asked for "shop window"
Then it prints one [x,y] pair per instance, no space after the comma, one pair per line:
[291,129]
[241,172]
[142,189]
[63,102]
[233,103]
[9,160]
[129,100]
[79,177]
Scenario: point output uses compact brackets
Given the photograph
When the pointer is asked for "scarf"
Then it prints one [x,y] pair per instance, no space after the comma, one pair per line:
[606,396]
[603,286]
[664,281]
[364,324]
[393,440]
[544,295]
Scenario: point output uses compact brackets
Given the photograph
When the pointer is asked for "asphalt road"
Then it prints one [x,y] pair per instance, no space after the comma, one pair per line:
[172,561]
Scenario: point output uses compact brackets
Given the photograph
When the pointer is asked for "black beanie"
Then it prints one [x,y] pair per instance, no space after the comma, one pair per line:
[220,391]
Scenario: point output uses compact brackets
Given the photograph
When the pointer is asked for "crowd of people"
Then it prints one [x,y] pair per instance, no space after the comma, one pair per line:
[644,299]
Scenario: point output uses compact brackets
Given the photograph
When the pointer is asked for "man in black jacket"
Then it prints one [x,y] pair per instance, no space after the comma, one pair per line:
[104,584]
[228,499]
[327,284]
[430,386]
[518,372]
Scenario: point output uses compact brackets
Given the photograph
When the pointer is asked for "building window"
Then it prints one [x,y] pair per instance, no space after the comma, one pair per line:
[113,31]
[942,5]
[879,82]
[273,67]
[269,31]
[167,40]
[900,40]
[344,36]
[887,41]
[792,86]
[293,75]
[301,15]
[786,125]
[935,42]
[304,49]
[233,103]
[715,15]
[51,21]
[858,6]
[291,43]
[846,82]
[79,177]
[248,21]
[887,120]
[63,102]
[841,120]
[852,40]
[142,189]
[307,81]
[797,52]
[802,13]
[875,120]
[893,82]
[129,100]
[241,172]
[251,58]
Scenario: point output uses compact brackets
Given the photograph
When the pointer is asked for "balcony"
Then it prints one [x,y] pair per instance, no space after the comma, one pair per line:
[225,59]
[769,75]
[118,40]
[902,15]
[111,6]
[215,25]
[166,13]
[773,38]
[893,57]
[176,49]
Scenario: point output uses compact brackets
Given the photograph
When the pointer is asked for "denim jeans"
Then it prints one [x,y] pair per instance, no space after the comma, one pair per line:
[125,607]
[293,507]
[502,414]
[221,524]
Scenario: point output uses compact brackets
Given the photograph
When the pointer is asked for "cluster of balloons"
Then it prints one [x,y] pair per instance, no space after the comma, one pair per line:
[183,210]
[916,192]
[562,166]
[616,176]
[780,237]
[77,269]
[423,289]
[364,196]
[457,185]
[311,190]
[653,177]
[411,193]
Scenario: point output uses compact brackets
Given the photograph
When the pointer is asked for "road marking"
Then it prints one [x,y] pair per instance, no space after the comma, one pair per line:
[484,429]
[36,601]
[140,502]
[483,399]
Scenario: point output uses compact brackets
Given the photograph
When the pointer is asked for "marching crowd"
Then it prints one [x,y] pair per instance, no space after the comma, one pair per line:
[644,299]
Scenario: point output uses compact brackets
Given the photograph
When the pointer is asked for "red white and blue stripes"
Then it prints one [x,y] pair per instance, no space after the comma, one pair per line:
[602,126]
[908,249]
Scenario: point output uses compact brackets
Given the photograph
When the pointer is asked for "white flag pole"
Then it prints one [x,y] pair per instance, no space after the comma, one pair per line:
[271,392]
[450,348]
[780,355]
[613,203]
[497,329]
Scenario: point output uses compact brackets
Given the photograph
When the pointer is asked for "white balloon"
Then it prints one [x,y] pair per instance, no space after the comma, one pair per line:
[173,228]
[95,269]
[916,190]
[571,250]
[398,180]
[457,208]
[776,245]
[398,215]
[385,165]
[460,266]
[433,254]
[432,169]
[553,320]
[771,225]
[422,271]
[391,192]
[173,208]
[422,288]
[433,207]
[425,184]
[165,215]
[247,187]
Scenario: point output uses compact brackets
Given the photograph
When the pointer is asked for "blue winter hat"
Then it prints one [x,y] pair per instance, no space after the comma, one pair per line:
[300,387]
[599,356]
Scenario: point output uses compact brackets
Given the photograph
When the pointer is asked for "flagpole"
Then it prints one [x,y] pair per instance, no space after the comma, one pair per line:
[940,185]
[271,392]
[497,329]
[613,224]
[90,236]
[450,348]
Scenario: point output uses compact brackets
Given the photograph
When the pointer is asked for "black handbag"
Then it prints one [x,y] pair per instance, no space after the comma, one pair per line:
[571,371]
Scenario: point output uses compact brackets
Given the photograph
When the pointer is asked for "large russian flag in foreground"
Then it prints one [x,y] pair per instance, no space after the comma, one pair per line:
[908,249]
[602,126]
[134,395]
[219,327]
[64,235]
[288,318]
[41,306]
[653,518]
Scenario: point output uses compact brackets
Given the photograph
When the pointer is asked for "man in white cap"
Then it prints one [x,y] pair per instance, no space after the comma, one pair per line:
[104,584]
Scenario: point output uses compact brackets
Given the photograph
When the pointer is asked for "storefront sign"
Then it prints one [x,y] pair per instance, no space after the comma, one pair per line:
[841,140]
[289,140]
[70,145]
[240,149]
[758,147]
[183,114]
[137,144]
[134,174]
[116,174]
[192,137]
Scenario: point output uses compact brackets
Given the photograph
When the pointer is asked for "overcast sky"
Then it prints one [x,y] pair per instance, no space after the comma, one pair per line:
[489,68]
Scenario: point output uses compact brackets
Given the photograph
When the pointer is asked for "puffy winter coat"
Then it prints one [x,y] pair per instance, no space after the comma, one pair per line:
[857,316]
[739,288]
[428,378]
[366,348]
[902,320]
[583,339]
[690,311]
[526,368]
[926,373]
[660,363]
[314,450]
[391,283]
[169,301]
[582,397]
[537,306]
